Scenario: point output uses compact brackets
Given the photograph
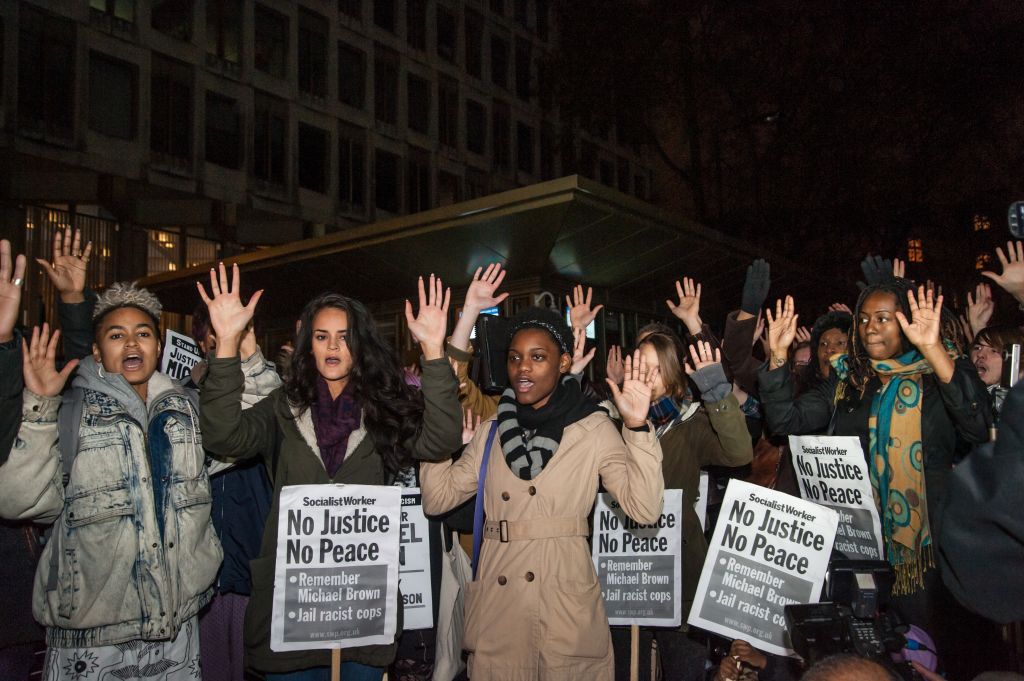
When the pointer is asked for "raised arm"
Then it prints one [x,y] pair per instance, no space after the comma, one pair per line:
[1011,279]
[67,272]
[12,277]
[229,433]
[727,442]
[630,468]
[441,433]
[31,485]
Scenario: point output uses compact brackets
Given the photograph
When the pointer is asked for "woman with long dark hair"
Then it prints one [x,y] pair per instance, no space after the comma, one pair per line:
[345,415]
[909,396]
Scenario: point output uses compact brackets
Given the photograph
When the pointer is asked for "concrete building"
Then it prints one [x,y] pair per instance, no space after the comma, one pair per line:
[176,132]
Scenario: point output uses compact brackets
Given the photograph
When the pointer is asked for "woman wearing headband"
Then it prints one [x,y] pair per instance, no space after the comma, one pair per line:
[535,609]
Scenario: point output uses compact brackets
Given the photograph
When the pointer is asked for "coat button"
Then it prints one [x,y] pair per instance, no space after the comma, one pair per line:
[502,580]
[154,545]
[533,491]
[529,576]
[170,545]
[505,496]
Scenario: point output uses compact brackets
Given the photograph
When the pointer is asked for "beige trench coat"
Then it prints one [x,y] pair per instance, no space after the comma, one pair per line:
[535,611]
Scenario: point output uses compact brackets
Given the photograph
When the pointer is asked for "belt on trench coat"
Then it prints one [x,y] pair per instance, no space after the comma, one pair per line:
[537,528]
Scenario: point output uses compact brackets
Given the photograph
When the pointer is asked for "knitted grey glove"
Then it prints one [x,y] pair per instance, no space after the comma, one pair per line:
[755,286]
[713,384]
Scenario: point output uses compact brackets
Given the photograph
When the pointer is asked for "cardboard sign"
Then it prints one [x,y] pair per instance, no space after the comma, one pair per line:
[639,566]
[832,471]
[336,579]
[769,550]
[414,563]
[181,353]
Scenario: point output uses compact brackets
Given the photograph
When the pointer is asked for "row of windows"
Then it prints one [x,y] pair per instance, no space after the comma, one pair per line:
[224,31]
[272,54]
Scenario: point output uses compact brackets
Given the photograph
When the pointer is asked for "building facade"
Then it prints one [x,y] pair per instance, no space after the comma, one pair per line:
[179,131]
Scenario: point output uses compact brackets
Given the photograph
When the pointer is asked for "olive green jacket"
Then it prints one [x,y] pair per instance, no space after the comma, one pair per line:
[286,441]
[714,434]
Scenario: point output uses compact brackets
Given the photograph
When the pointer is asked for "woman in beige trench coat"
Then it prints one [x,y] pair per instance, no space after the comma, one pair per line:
[535,610]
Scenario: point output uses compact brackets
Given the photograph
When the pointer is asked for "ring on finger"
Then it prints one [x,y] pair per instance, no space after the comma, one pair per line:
[17,281]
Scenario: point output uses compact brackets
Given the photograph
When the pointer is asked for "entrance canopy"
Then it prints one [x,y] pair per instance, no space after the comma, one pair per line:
[562,231]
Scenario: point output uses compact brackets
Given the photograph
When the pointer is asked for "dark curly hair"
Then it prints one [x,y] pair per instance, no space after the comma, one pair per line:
[858,362]
[392,410]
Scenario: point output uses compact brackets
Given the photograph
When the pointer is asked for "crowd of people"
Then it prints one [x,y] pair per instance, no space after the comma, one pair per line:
[140,513]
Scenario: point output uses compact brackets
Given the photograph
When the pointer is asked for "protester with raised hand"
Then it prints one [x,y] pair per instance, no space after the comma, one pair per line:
[693,434]
[535,610]
[119,466]
[345,415]
[909,398]
[1011,279]
[877,270]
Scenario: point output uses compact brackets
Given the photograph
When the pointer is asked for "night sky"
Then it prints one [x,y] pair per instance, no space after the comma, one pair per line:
[821,131]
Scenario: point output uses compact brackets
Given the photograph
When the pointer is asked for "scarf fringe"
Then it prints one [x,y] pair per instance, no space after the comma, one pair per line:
[910,574]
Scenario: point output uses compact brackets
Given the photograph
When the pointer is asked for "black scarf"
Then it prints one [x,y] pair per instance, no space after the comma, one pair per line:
[530,437]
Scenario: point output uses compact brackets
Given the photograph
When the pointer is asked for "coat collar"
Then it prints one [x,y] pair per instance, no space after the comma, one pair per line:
[304,424]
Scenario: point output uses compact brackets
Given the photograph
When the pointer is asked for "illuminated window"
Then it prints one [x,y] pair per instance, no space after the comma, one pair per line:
[983,261]
[981,223]
[915,253]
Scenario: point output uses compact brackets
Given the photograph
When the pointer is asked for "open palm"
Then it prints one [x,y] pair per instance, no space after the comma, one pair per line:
[924,327]
[431,321]
[633,400]
[68,267]
[39,363]
[228,316]
[481,293]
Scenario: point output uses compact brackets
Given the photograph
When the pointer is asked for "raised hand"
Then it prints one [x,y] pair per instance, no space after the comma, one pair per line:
[634,399]
[702,356]
[580,312]
[899,269]
[980,308]
[615,369]
[11,281]
[470,424]
[876,269]
[755,286]
[228,316]
[480,295]
[67,269]
[687,310]
[580,359]
[39,363]
[803,335]
[431,322]
[925,326]
[1012,278]
[841,307]
[781,330]
[966,327]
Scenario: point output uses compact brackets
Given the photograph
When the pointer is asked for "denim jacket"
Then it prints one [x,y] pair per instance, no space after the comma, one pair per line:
[133,551]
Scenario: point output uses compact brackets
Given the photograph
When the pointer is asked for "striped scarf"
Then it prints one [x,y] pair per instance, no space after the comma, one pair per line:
[530,437]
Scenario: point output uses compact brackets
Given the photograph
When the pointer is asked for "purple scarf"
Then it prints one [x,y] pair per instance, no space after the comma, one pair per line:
[333,422]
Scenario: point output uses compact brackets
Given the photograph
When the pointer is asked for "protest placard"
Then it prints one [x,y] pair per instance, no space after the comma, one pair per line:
[414,563]
[181,353]
[700,505]
[769,550]
[639,566]
[832,471]
[336,579]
